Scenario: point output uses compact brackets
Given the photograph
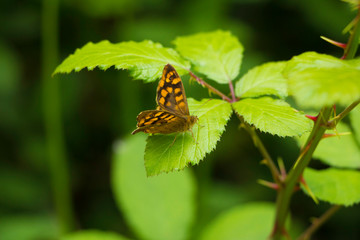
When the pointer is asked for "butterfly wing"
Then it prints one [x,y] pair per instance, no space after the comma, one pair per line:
[170,94]
[159,121]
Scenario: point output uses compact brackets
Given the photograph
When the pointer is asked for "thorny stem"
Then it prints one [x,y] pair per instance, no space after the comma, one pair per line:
[317,223]
[285,194]
[258,143]
[208,86]
[343,114]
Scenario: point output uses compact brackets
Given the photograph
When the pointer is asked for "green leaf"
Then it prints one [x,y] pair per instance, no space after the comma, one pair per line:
[161,207]
[239,222]
[317,80]
[335,186]
[28,227]
[216,54]
[355,122]
[263,80]
[145,60]
[162,154]
[339,151]
[93,235]
[273,116]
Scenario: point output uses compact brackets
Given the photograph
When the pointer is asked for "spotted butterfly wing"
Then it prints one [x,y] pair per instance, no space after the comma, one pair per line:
[170,92]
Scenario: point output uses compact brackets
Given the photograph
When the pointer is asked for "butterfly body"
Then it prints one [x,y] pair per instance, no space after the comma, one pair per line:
[172,114]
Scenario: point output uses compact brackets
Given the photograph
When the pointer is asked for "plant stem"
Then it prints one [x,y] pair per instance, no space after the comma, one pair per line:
[208,86]
[258,143]
[317,223]
[231,86]
[343,114]
[58,169]
[285,194]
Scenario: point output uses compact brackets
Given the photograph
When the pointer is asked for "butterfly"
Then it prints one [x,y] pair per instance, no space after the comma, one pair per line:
[172,113]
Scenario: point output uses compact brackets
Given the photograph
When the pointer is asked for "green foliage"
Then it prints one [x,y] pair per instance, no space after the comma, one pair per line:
[336,186]
[239,222]
[216,54]
[156,208]
[162,154]
[145,60]
[273,116]
[265,79]
[355,122]
[338,151]
[93,235]
[28,227]
[317,80]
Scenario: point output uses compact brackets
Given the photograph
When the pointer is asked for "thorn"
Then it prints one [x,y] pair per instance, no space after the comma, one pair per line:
[303,182]
[334,107]
[328,135]
[268,184]
[314,118]
[338,44]
[263,162]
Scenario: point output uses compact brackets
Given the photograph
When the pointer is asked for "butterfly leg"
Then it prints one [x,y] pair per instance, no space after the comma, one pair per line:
[192,134]
[174,140]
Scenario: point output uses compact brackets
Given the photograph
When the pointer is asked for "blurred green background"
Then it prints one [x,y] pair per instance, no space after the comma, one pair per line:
[95,109]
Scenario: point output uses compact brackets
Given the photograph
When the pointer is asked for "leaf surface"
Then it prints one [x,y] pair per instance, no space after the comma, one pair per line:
[162,154]
[161,207]
[336,186]
[317,80]
[145,60]
[239,222]
[215,54]
[266,79]
[93,235]
[273,116]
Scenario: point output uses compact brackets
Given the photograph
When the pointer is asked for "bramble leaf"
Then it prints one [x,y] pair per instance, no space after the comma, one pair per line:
[336,186]
[93,235]
[338,151]
[162,154]
[263,80]
[161,207]
[273,116]
[239,222]
[216,54]
[145,60]
[317,80]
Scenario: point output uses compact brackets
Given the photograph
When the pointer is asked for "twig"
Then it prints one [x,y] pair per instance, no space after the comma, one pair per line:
[317,223]
[333,122]
[258,143]
[208,86]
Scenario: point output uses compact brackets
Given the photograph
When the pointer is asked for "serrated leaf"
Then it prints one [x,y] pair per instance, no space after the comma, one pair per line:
[273,116]
[145,60]
[216,54]
[93,235]
[162,154]
[355,122]
[266,79]
[239,222]
[161,207]
[317,80]
[335,186]
[338,151]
